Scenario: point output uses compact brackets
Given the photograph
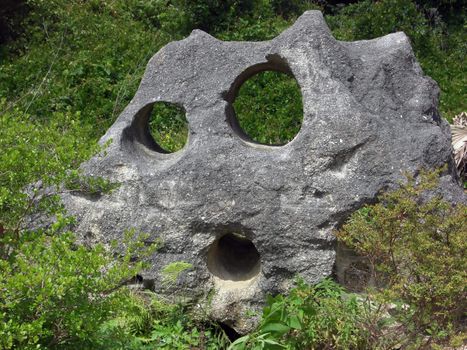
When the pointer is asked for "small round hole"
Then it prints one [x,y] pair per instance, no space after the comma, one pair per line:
[168,126]
[269,108]
[233,257]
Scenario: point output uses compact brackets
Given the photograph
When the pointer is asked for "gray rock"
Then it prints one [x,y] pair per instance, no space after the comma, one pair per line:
[250,217]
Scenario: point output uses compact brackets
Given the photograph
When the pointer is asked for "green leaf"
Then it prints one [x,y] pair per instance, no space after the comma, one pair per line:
[279,328]
[294,322]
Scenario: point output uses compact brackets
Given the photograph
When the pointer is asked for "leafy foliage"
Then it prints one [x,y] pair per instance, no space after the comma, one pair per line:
[310,317]
[172,271]
[151,323]
[416,246]
[39,155]
[179,335]
[70,53]
[56,293]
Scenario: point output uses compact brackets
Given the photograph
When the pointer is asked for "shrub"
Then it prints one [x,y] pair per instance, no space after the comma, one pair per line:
[55,293]
[149,322]
[416,244]
[323,316]
[39,153]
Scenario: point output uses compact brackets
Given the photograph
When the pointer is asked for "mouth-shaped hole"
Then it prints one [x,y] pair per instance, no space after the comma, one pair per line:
[233,257]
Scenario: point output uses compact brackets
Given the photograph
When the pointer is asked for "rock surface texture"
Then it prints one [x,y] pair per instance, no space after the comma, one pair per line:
[249,217]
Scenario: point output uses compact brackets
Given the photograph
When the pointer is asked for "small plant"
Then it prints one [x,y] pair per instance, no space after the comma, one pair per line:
[415,243]
[152,323]
[173,270]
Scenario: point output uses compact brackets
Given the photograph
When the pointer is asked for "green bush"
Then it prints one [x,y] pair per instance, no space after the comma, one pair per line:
[88,57]
[37,155]
[323,316]
[55,293]
[368,20]
[182,333]
[416,247]
[150,322]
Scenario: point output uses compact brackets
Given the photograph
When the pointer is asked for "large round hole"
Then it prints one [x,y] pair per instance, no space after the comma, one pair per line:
[269,108]
[233,257]
[168,126]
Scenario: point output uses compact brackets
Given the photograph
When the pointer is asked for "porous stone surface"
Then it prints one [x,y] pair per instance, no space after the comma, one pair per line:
[250,217]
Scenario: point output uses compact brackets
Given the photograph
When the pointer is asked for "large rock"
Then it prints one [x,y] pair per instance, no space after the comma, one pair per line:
[250,217]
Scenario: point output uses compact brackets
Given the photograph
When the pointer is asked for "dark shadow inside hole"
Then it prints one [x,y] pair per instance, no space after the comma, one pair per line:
[229,331]
[139,278]
[265,104]
[233,257]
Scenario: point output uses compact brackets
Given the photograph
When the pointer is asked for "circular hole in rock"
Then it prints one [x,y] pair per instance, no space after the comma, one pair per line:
[233,257]
[269,108]
[168,126]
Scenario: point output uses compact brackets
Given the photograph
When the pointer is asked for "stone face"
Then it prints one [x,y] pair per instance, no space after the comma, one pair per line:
[250,217]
